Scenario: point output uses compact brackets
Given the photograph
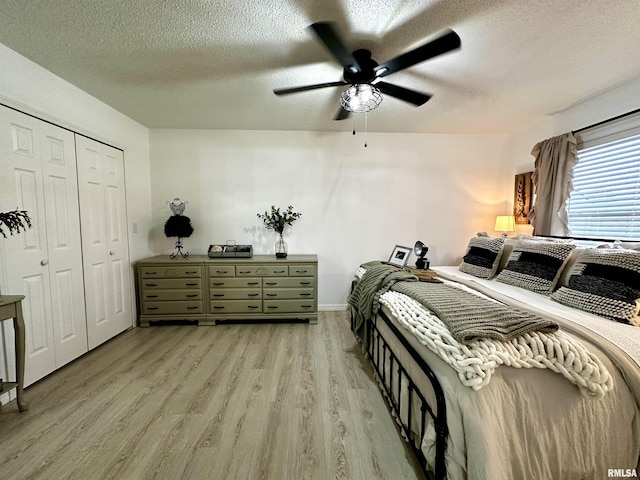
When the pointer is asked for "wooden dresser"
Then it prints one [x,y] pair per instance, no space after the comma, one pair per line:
[207,290]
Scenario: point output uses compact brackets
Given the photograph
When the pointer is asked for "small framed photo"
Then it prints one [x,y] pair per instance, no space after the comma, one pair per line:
[399,256]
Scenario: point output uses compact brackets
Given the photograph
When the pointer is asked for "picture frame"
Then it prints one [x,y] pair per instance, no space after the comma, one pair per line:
[522,197]
[399,256]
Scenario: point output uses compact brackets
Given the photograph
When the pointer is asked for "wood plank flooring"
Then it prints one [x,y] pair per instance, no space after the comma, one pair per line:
[234,401]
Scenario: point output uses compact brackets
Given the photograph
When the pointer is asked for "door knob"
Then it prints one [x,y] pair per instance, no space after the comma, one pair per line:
[44,262]
[112,252]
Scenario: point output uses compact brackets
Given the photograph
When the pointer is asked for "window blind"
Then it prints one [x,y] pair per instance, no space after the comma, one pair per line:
[605,202]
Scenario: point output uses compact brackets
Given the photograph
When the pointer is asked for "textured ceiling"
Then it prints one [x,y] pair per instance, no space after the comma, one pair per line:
[214,64]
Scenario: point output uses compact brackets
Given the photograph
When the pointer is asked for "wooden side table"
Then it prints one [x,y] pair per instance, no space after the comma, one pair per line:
[11,308]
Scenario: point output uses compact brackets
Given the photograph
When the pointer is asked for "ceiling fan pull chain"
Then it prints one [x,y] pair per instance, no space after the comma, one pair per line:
[366,116]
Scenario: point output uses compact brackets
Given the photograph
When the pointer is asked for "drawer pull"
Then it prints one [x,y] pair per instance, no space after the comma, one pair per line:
[305,294]
[218,307]
[152,296]
[306,306]
[272,294]
[222,271]
[301,271]
[218,284]
[191,308]
[150,284]
[272,307]
[153,308]
[190,273]
[279,271]
[244,272]
[253,283]
[305,283]
[252,294]
[192,284]
[151,273]
[193,295]
[253,307]
[271,283]
[218,294]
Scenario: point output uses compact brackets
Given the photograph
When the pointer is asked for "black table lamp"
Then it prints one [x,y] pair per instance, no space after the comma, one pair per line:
[420,250]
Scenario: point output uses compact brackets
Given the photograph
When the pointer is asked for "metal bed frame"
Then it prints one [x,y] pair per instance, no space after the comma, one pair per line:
[383,359]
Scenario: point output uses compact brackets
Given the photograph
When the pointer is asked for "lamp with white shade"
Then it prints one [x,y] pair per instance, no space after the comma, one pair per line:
[505,224]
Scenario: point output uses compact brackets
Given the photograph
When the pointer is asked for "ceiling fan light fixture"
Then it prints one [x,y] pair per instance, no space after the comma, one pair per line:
[360,98]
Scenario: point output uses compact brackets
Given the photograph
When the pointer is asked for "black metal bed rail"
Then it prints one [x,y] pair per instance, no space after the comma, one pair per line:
[379,351]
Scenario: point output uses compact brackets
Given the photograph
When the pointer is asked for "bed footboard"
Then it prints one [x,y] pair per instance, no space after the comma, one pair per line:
[409,405]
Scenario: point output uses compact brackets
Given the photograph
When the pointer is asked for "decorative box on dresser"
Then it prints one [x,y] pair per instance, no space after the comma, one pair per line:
[209,290]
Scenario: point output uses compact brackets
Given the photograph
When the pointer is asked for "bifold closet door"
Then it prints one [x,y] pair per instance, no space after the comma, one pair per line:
[44,263]
[104,240]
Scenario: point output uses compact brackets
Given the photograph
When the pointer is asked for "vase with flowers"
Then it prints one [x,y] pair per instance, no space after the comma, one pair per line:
[277,220]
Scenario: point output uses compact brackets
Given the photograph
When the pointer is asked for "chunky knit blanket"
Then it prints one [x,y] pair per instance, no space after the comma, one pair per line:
[469,316]
[475,362]
[364,298]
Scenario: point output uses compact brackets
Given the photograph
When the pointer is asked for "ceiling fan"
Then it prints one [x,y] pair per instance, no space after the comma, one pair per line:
[364,74]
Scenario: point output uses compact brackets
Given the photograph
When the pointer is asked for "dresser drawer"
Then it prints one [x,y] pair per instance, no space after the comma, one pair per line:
[169,308]
[288,306]
[235,293]
[236,306]
[262,270]
[302,270]
[287,293]
[170,272]
[289,282]
[162,295]
[222,270]
[222,282]
[166,284]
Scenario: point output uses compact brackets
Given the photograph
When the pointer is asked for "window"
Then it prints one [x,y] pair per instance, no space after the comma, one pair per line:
[605,201]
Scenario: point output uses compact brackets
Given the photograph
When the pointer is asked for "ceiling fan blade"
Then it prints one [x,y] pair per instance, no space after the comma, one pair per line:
[446,43]
[342,114]
[286,91]
[402,93]
[327,35]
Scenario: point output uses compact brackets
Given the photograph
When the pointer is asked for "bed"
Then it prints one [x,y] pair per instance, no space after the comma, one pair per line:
[576,417]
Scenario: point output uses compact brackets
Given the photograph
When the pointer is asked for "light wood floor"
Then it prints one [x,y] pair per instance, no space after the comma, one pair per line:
[251,401]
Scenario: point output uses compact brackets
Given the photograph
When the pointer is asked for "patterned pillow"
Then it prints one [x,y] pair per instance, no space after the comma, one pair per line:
[605,282]
[482,257]
[535,266]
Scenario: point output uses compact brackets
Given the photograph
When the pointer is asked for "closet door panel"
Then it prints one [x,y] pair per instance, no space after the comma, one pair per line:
[44,263]
[64,243]
[25,256]
[104,239]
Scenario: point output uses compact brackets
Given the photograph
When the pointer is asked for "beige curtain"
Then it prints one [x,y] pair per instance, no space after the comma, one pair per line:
[552,184]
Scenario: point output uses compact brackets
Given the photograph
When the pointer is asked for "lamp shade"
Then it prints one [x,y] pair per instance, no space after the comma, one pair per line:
[505,223]
[360,98]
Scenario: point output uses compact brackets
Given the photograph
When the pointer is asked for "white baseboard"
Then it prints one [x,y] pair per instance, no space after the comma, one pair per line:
[332,308]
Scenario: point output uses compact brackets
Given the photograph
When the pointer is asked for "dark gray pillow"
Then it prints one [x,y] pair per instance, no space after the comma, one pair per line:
[535,265]
[605,282]
[482,256]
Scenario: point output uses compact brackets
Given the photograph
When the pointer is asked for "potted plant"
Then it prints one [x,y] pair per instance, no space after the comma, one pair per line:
[14,221]
[277,220]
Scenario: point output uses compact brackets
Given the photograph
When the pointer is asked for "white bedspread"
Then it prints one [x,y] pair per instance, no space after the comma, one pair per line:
[625,337]
[476,362]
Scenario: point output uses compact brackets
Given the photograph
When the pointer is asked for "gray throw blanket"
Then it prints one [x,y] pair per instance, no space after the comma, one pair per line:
[365,297]
[469,316]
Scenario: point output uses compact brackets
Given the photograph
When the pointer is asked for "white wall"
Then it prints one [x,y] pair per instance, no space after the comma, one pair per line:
[612,103]
[34,90]
[357,203]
